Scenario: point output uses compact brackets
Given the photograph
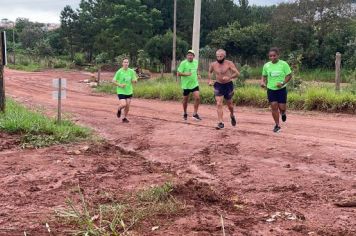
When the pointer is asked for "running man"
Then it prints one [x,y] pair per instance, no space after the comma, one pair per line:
[277,74]
[225,71]
[189,73]
[123,80]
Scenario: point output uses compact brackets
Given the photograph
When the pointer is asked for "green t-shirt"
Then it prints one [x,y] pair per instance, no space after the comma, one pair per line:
[189,82]
[275,72]
[125,77]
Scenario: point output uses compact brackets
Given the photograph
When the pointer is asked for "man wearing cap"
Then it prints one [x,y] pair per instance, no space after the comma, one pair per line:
[188,71]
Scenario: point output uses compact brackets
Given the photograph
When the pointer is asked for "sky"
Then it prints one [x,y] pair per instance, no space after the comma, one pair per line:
[48,11]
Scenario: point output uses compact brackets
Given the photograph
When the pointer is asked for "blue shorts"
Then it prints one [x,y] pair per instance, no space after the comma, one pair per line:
[123,96]
[279,95]
[226,90]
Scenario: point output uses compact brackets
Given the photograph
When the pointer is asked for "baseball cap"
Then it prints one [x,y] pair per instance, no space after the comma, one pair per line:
[191,51]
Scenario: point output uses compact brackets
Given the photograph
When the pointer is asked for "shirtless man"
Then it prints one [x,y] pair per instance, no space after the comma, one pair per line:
[225,71]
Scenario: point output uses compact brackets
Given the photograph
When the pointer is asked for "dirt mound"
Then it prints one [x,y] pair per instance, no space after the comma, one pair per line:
[8,141]
[199,192]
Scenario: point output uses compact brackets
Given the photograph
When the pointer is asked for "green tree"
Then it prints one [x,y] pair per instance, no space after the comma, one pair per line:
[69,26]
[160,48]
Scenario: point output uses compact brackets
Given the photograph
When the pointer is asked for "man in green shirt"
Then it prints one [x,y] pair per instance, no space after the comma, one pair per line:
[188,71]
[123,80]
[277,74]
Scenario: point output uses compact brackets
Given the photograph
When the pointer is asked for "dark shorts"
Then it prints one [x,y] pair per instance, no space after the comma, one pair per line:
[226,90]
[123,96]
[279,95]
[186,92]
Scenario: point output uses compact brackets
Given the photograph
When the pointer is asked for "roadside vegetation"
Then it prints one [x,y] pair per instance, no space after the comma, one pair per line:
[38,130]
[84,217]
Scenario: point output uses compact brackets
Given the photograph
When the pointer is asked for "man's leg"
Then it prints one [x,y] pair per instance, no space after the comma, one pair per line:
[275,112]
[127,106]
[230,105]
[196,96]
[219,105]
[185,103]
[122,105]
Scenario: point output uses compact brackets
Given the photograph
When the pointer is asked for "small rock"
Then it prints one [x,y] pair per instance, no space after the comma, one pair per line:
[155,228]
[287,166]
[93,84]
[34,189]
[77,152]
[85,148]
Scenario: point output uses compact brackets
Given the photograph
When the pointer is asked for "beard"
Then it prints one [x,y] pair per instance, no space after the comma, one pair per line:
[221,61]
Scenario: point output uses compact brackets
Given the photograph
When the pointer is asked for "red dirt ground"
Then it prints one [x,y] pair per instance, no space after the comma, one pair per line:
[246,174]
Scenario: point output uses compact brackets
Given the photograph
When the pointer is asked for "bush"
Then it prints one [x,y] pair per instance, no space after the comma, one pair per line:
[79,59]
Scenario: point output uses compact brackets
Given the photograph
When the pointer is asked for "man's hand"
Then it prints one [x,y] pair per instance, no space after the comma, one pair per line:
[226,78]
[210,82]
[135,81]
[263,84]
[280,85]
[122,85]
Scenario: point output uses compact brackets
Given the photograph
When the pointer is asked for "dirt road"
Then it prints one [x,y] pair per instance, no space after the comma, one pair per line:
[303,170]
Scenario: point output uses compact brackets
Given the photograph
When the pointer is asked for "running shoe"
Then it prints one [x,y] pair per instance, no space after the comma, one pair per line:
[233,120]
[185,116]
[284,117]
[197,117]
[125,120]
[276,129]
[220,125]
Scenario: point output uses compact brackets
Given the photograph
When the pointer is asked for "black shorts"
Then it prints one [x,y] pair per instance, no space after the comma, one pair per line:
[279,95]
[186,92]
[226,90]
[123,96]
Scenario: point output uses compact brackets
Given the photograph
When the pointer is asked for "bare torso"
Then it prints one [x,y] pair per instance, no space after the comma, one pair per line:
[223,72]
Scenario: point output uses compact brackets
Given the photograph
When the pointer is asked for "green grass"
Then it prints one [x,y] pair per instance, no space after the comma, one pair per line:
[313,97]
[117,217]
[29,67]
[38,130]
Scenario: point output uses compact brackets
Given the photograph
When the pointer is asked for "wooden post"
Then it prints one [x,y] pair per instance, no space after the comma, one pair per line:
[59,114]
[99,74]
[2,82]
[337,71]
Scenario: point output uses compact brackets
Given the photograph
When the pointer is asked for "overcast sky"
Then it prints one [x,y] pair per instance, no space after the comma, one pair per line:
[48,11]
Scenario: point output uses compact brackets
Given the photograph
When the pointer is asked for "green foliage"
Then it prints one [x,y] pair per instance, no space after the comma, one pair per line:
[310,98]
[36,129]
[79,59]
[160,47]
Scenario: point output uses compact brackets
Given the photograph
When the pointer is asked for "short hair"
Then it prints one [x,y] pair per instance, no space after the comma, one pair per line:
[221,51]
[274,49]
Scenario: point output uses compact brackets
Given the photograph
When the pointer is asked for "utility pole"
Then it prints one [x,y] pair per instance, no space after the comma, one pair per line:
[2,64]
[196,28]
[337,71]
[174,62]
[13,42]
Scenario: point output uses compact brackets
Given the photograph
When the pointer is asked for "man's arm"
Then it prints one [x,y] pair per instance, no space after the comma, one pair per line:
[210,73]
[114,81]
[184,73]
[234,70]
[263,82]
[286,80]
